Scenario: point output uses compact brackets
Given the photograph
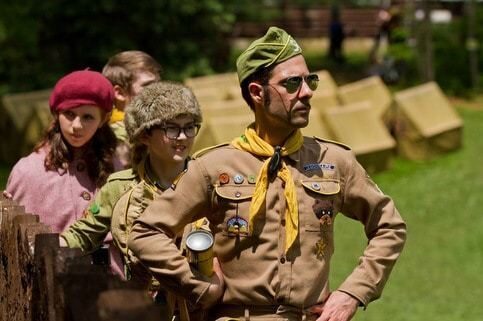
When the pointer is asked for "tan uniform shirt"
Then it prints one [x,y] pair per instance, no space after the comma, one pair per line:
[256,269]
[123,148]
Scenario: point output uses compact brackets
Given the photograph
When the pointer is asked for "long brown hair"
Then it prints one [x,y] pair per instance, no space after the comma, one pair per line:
[98,153]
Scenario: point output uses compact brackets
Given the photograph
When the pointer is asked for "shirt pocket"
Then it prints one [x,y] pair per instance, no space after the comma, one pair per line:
[234,201]
[321,199]
[321,204]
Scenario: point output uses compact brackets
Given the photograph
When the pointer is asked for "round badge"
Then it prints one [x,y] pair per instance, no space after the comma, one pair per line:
[252,179]
[238,179]
[95,209]
[224,178]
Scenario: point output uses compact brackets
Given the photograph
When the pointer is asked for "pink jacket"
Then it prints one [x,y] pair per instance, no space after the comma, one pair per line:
[58,197]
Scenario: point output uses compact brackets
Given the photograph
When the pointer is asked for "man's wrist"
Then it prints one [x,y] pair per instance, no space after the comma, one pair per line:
[357,302]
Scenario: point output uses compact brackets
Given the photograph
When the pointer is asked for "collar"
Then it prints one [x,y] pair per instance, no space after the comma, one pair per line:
[310,146]
[151,177]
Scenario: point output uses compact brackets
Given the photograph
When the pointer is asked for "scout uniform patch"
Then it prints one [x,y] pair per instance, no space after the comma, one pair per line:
[327,166]
[314,167]
[94,208]
[311,167]
[320,249]
[237,226]
[324,211]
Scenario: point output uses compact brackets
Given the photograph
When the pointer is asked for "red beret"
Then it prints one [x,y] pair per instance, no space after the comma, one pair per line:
[83,87]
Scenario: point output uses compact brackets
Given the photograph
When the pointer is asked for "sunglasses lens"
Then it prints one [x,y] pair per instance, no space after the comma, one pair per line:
[313,81]
[292,84]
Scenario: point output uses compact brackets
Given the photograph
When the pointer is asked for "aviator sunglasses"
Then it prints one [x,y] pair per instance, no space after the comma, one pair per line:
[292,84]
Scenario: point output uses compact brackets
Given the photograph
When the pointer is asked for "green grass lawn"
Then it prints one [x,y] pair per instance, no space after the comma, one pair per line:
[440,274]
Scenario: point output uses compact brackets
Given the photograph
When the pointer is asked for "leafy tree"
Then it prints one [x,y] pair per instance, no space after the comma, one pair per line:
[42,40]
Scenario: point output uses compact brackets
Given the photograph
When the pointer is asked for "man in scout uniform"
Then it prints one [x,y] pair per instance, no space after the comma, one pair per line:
[272,196]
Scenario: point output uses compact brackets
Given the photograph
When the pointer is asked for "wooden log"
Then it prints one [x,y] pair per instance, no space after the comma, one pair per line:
[18,302]
[43,308]
[10,256]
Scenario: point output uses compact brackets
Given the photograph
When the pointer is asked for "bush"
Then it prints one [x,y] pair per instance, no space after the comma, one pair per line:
[46,39]
[450,56]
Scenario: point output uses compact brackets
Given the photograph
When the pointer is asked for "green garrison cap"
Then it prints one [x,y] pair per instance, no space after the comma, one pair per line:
[274,47]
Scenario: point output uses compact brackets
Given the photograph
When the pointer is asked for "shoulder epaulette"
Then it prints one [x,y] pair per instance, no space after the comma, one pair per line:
[207,149]
[127,174]
[332,142]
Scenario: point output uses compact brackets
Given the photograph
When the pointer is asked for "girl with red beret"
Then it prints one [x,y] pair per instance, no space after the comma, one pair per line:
[60,177]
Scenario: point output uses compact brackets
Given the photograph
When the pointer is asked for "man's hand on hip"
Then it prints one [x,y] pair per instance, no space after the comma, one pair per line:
[339,306]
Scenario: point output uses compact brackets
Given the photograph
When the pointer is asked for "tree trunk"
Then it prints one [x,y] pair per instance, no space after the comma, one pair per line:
[425,44]
[472,43]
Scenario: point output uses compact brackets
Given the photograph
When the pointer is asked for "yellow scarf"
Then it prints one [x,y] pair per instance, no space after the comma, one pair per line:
[116,115]
[253,144]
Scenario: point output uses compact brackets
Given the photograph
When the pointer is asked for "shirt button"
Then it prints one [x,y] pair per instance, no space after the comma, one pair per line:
[282,260]
[86,196]
[282,222]
[283,184]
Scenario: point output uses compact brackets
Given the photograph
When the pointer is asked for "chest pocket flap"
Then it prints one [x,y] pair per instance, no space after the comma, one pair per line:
[235,192]
[322,186]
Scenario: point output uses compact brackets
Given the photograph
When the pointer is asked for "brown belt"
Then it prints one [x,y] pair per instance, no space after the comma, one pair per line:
[269,312]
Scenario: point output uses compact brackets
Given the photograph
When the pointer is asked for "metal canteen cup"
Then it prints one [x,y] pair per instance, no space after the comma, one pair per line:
[200,251]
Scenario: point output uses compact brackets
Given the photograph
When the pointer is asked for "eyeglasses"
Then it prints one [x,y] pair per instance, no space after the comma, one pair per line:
[292,84]
[173,132]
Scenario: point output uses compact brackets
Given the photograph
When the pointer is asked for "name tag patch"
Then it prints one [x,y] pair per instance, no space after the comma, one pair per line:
[316,167]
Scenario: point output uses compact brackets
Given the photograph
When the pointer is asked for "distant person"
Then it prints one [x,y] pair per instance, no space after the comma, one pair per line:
[381,39]
[161,124]
[336,36]
[383,64]
[61,176]
[129,72]
[272,197]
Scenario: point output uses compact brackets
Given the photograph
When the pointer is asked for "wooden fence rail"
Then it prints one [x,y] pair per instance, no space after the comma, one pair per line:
[39,281]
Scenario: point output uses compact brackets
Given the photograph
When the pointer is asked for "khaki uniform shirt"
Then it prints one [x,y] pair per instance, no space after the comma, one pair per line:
[256,269]
[123,148]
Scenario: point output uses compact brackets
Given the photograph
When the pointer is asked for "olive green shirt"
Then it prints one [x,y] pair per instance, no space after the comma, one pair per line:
[89,232]
[123,148]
